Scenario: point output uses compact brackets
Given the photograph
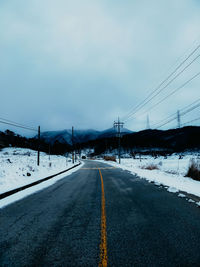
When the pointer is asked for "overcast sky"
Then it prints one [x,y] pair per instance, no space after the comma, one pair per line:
[84,63]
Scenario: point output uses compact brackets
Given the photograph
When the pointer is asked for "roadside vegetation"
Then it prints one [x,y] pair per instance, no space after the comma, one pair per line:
[109,158]
[150,167]
[194,169]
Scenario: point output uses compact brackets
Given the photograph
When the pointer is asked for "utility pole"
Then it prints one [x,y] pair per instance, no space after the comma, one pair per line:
[118,125]
[148,123]
[38,155]
[178,119]
[72,144]
[49,151]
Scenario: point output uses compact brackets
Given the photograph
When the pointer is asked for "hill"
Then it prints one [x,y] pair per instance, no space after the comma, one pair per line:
[149,141]
[80,136]
[173,139]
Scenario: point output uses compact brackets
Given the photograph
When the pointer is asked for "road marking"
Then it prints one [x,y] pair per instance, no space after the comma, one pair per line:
[103,246]
[103,168]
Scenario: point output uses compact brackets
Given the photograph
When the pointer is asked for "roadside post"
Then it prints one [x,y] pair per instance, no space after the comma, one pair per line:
[38,154]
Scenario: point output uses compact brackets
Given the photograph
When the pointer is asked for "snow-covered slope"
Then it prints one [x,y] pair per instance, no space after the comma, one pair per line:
[18,167]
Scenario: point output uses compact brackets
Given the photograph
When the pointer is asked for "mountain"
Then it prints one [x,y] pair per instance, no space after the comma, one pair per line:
[80,136]
[149,141]
[111,132]
[174,139]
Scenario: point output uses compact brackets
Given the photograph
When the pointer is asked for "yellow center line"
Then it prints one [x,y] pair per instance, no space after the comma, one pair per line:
[103,246]
[105,168]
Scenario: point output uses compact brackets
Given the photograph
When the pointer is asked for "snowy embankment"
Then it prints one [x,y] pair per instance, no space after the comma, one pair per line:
[170,173]
[18,167]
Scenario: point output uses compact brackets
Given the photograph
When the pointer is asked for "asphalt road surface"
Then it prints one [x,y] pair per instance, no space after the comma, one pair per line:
[100,216]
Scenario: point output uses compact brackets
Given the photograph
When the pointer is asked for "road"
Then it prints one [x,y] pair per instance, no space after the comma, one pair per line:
[102,216]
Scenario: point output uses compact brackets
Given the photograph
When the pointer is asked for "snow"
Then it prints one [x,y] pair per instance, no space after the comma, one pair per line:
[170,173]
[181,195]
[172,190]
[20,195]
[17,163]
[191,201]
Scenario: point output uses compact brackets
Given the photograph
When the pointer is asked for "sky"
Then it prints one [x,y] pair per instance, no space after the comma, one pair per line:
[86,63]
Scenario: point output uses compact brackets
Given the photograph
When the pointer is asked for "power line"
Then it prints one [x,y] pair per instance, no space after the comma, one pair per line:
[8,122]
[166,123]
[22,125]
[173,92]
[176,76]
[16,125]
[171,117]
[174,116]
[196,101]
[190,109]
[197,119]
[165,80]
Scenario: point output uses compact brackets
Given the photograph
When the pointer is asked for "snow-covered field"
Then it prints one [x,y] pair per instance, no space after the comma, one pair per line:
[170,173]
[18,167]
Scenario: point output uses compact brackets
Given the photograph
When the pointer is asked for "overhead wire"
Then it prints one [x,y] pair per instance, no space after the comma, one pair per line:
[165,80]
[174,115]
[190,109]
[196,101]
[8,122]
[172,93]
[16,123]
[197,119]
[176,76]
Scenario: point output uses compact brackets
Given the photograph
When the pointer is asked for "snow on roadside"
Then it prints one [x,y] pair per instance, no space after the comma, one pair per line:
[171,172]
[29,191]
[18,167]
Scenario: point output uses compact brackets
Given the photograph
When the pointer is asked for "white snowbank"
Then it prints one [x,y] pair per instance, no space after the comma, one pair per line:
[16,164]
[20,195]
[171,172]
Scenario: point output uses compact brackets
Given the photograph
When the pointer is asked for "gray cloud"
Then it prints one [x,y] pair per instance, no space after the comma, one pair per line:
[87,62]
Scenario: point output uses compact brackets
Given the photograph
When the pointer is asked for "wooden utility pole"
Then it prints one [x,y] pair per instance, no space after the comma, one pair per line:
[118,125]
[38,155]
[49,152]
[72,144]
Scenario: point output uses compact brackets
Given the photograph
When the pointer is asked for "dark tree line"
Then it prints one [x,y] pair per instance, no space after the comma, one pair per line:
[174,140]
[10,139]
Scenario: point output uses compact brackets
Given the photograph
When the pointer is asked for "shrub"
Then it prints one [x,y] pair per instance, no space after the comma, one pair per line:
[150,167]
[27,154]
[110,158]
[194,170]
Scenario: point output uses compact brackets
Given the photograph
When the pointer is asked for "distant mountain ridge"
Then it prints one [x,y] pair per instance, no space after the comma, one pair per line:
[80,136]
[150,141]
